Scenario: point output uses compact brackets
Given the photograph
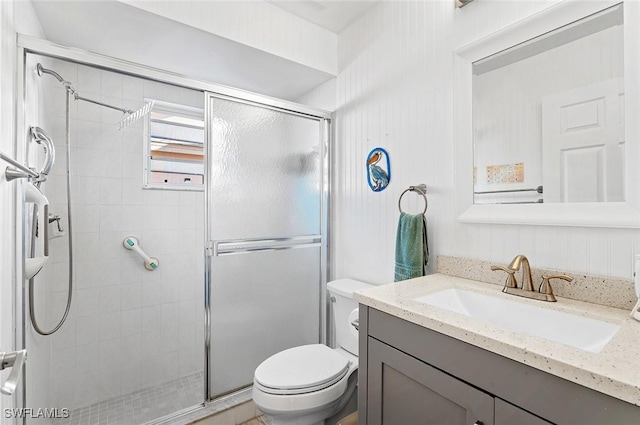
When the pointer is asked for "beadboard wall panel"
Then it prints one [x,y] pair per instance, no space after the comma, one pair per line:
[394,89]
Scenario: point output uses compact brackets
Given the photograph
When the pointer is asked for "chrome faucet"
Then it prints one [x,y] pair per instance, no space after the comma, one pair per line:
[544,293]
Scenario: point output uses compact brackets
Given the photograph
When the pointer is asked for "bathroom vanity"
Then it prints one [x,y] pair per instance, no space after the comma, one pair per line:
[423,364]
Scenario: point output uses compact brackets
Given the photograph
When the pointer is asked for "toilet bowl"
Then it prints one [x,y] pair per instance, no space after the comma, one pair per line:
[307,384]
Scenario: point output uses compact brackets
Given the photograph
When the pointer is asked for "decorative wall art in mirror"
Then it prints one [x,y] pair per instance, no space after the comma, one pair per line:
[541,135]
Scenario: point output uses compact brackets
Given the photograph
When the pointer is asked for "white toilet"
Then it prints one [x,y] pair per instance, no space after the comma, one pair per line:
[306,385]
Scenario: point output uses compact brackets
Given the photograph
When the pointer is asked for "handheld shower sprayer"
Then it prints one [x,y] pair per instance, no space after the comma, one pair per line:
[42,138]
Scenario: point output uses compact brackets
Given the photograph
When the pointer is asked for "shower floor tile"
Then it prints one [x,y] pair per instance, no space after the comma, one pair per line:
[141,406]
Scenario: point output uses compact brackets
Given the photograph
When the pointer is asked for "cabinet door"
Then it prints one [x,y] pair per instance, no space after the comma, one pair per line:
[508,414]
[405,391]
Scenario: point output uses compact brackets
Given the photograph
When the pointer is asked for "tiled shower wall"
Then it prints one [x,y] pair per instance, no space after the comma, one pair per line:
[129,328]
[394,90]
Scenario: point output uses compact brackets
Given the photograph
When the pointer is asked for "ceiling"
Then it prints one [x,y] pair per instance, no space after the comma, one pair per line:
[118,30]
[333,15]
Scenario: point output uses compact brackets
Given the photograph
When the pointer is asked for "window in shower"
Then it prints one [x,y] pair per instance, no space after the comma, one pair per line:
[174,138]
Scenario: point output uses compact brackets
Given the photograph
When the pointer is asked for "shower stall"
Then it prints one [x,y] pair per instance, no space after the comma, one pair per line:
[226,190]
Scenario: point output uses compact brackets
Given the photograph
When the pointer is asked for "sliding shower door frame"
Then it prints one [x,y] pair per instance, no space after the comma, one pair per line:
[212,246]
[30,45]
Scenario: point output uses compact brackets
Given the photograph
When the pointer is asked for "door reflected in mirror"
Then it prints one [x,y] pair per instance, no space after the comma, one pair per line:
[548,116]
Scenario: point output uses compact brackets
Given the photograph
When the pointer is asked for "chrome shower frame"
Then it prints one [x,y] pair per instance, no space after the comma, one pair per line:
[30,45]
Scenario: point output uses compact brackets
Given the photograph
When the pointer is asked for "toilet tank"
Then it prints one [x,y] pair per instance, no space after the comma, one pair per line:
[344,310]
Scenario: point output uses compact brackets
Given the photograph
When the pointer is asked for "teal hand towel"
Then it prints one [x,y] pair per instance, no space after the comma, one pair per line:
[412,251]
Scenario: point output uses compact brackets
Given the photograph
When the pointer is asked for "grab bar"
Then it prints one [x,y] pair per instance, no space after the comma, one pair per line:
[19,172]
[132,243]
[15,360]
[249,245]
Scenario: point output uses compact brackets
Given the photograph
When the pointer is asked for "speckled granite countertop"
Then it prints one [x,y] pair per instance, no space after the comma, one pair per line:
[614,371]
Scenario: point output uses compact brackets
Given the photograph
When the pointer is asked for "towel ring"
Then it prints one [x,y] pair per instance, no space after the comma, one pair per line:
[422,190]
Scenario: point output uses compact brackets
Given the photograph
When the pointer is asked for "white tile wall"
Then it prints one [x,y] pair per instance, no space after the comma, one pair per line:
[128,328]
[394,89]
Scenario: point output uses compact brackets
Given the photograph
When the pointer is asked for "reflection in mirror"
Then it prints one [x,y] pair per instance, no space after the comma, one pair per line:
[548,116]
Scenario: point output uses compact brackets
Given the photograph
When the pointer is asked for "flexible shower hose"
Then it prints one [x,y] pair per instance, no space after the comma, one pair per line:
[32,313]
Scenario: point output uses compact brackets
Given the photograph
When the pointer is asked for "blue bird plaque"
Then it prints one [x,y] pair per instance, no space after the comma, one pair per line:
[378,169]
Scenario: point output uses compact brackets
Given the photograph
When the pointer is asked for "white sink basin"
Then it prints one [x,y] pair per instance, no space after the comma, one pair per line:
[569,329]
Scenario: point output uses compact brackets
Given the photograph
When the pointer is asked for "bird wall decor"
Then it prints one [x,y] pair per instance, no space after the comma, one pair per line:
[378,169]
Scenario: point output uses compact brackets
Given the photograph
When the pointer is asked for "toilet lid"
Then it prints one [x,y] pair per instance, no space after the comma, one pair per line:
[301,369]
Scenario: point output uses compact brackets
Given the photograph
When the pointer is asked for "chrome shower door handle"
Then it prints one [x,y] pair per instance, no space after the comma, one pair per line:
[15,360]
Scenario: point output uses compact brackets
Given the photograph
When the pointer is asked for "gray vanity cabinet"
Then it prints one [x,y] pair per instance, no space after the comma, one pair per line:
[411,375]
[508,414]
[404,390]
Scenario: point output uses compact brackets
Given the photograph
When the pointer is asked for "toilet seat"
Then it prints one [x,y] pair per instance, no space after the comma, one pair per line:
[301,370]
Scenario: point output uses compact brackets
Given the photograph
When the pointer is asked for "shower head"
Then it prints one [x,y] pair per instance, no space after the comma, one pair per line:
[66,84]
[42,70]
[42,138]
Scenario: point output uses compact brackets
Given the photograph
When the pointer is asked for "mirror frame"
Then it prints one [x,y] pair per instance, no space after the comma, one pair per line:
[589,214]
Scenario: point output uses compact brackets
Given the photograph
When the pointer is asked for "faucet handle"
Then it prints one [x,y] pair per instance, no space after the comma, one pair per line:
[511,278]
[545,286]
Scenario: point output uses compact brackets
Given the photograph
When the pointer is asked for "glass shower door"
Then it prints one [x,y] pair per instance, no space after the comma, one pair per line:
[266,201]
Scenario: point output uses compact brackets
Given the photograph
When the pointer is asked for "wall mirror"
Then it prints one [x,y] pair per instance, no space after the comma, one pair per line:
[541,135]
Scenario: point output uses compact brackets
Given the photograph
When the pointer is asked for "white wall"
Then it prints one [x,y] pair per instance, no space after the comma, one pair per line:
[322,97]
[395,90]
[257,24]
[7,257]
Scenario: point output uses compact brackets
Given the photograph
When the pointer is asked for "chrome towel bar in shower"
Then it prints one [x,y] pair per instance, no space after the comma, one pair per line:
[420,189]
